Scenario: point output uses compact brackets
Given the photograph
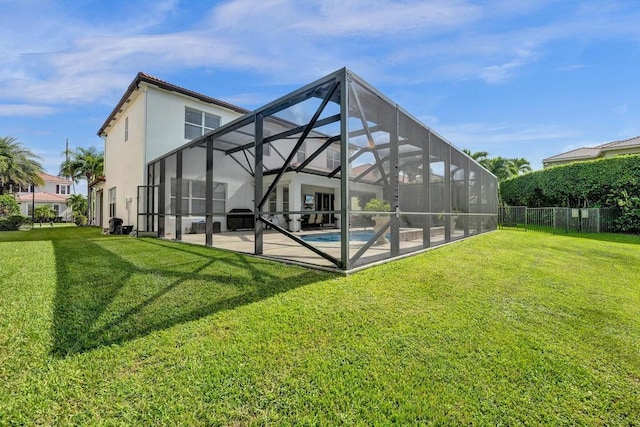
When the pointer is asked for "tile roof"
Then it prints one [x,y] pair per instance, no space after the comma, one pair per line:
[578,153]
[626,143]
[594,152]
[52,178]
[144,77]
[41,197]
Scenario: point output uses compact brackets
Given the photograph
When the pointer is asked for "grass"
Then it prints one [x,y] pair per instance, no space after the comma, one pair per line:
[506,328]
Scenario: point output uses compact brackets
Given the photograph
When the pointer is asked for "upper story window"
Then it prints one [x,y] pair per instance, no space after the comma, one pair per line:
[126,129]
[301,155]
[197,123]
[63,189]
[333,159]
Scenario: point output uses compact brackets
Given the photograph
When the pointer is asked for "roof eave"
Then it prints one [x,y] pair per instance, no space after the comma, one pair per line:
[142,77]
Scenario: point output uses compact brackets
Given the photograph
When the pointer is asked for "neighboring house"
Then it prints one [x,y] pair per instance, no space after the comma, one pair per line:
[55,191]
[610,149]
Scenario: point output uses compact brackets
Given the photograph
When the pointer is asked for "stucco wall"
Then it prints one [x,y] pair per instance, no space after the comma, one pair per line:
[124,160]
[165,120]
[156,126]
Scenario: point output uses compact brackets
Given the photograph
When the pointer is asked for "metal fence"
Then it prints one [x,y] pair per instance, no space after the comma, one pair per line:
[558,220]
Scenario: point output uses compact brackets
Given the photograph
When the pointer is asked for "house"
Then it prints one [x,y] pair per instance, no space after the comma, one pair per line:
[610,149]
[184,166]
[55,191]
[153,117]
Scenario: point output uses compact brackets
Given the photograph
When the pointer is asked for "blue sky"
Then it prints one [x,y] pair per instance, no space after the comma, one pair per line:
[514,78]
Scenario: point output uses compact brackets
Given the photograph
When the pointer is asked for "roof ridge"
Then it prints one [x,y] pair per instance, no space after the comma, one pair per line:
[617,142]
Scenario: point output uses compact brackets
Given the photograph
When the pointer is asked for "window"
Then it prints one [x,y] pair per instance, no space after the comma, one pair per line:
[301,155]
[126,129]
[333,159]
[112,202]
[285,199]
[63,189]
[197,123]
[272,201]
[56,209]
[194,196]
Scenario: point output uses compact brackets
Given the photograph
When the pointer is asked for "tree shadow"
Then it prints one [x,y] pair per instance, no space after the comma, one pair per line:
[110,291]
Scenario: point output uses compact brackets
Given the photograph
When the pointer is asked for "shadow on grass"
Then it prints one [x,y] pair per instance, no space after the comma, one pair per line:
[110,291]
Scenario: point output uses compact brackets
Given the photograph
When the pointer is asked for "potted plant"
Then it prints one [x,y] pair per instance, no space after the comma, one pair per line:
[379,206]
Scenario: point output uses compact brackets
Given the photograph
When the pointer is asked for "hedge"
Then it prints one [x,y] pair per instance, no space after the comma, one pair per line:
[13,222]
[610,182]
[596,183]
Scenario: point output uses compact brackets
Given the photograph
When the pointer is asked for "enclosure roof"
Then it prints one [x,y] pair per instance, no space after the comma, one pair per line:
[147,78]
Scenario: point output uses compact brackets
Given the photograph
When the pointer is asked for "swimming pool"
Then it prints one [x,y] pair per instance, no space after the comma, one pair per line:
[354,236]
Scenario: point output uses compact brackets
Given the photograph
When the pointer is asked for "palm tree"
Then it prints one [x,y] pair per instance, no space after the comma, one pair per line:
[18,165]
[78,204]
[481,157]
[501,167]
[44,213]
[522,165]
[84,163]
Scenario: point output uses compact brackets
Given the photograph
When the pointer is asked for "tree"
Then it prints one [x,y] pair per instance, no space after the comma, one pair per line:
[522,165]
[8,206]
[83,163]
[501,167]
[18,165]
[78,204]
[479,156]
[44,213]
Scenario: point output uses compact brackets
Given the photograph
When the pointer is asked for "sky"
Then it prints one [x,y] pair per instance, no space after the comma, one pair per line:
[526,78]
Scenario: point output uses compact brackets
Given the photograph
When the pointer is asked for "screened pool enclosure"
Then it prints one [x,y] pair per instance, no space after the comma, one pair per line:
[333,175]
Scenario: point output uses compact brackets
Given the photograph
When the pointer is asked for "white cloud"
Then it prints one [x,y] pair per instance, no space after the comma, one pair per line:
[13,110]
[52,56]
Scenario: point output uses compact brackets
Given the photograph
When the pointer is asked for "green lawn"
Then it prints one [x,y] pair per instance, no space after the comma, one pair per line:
[507,328]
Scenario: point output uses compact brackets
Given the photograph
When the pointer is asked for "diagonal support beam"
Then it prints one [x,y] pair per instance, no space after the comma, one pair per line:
[316,153]
[241,165]
[370,243]
[370,140]
[301,140]
[299,240]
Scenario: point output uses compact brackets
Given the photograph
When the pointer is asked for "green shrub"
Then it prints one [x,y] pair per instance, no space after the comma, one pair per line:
[610,182]
[581,184]
[8,206]
[80,219]
[13,222]
[629,219]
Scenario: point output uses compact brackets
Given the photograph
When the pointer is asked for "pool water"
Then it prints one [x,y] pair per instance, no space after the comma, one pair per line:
[354,236]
